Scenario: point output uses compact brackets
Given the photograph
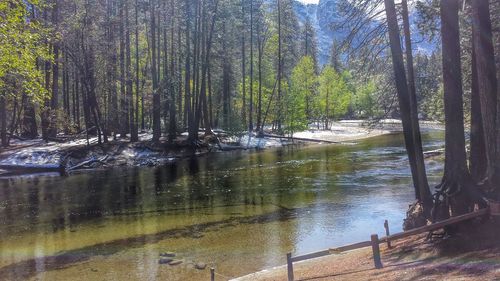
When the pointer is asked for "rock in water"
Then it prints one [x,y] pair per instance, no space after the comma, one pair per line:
[175,262]
[165,261]
[200,265]
[197,235]
[167,254]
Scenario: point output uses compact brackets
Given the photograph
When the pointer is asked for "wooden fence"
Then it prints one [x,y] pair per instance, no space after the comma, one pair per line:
[375,241]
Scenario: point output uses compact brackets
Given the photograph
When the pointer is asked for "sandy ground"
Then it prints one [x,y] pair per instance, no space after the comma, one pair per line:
[474,256]
[339,132]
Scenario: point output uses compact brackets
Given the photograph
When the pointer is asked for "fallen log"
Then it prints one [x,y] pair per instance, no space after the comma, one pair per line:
[300,139]
[432,153]
[13,136]
[33,167]
[88,162]
[225,147]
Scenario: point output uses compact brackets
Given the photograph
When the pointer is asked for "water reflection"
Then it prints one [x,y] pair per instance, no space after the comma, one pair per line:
[239,210]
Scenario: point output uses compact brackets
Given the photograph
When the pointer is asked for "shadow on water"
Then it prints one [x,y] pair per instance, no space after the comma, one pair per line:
[28,268]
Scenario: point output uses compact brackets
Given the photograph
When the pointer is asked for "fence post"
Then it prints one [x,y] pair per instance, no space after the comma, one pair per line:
[212,274]
[387,233]
[289,263]
[376,251]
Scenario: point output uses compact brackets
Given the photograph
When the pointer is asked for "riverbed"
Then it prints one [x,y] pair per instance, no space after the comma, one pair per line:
[239,211]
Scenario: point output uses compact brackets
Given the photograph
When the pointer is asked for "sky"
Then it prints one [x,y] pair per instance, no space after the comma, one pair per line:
[309,1]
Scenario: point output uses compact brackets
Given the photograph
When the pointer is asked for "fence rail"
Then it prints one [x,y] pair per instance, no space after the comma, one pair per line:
[375,241]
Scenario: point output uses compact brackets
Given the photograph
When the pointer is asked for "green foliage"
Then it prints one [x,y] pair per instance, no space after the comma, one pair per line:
[20,47]
[428,82]
[295,109]
[433,106]
[365,101]
[335,94]
[299,101]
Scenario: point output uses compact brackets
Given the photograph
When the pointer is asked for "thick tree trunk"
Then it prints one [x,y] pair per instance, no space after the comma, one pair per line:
[478,159]
[422,192]
[487,86]
[456,178]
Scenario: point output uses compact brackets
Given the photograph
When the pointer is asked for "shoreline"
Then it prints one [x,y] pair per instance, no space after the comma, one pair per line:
[37,156]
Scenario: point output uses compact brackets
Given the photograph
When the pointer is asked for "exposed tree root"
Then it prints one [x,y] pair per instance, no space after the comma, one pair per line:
[415,216]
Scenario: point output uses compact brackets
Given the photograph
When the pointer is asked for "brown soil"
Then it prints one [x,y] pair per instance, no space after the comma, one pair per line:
[473,253]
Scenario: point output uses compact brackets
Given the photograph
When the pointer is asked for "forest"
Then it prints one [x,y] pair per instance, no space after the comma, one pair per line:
[167,74]
[116,68]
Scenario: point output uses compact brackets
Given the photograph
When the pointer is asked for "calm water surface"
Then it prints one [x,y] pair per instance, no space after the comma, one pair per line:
[239,211]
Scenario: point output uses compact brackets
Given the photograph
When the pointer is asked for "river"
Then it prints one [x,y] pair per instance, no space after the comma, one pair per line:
[238,211]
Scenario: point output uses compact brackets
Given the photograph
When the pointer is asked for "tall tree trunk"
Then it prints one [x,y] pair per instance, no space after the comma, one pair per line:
[128,107]
[456,176]
[77,100]
[280,70]
[487,87]
[172,131]
[226,83]
[260,47]
[327,109]
[203,104]
[421,176]
[179,74]
[154,74]
[187,75]
[250,107]
[243,67]
[54,101]
[123,74]
[193,123]
[3,120]
[65,83]
[477,159]
[45,114]
[112,116]
[134,112]
[404,100]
